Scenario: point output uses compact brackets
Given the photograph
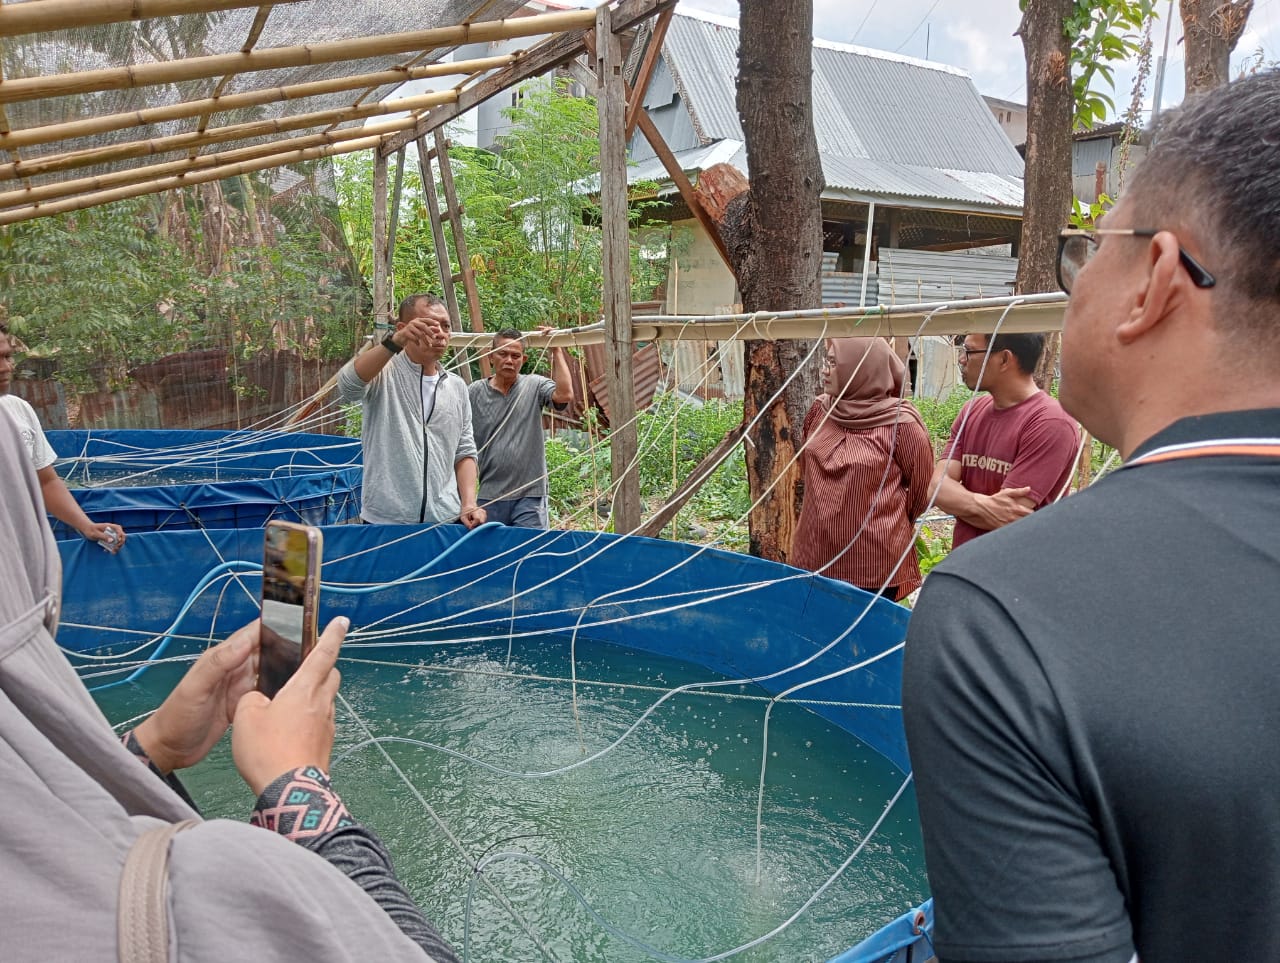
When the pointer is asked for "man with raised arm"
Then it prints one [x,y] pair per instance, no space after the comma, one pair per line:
[507,412]
[1090,695]
[419,453]
[58,500]
[1012,450]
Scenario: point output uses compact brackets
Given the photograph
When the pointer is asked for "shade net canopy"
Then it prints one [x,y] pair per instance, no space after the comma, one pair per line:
[106,106]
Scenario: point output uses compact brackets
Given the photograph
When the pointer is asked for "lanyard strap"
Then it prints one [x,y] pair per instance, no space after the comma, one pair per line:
[1257,447]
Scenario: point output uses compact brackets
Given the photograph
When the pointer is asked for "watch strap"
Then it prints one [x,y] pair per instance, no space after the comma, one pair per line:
[389,343]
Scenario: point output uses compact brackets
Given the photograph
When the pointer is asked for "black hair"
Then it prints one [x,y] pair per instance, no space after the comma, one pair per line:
[1025,348]
[508,334]
[411,302]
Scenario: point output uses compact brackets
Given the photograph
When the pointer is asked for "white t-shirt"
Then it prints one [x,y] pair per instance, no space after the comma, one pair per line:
[429,394]
[33,439]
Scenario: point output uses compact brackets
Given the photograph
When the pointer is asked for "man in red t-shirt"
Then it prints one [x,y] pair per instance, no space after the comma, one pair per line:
[1011,451]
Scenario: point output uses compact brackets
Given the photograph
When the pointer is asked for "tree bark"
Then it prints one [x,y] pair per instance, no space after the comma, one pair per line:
[776,246]
[1211,29]
[1047,189]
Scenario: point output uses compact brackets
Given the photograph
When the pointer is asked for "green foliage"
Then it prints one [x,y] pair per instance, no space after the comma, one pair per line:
[111,287]
[1101,35]
[531,222]
[930,549]
[1084,216]
[674,436]
[940,414]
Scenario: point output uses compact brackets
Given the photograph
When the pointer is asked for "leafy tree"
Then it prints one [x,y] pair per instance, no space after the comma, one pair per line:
[112,287]
[529,215]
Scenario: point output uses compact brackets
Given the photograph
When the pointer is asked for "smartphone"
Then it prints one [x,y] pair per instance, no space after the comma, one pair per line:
[290,601]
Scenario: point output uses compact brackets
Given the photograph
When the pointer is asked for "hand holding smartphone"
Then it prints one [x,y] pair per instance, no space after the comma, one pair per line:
[290,601]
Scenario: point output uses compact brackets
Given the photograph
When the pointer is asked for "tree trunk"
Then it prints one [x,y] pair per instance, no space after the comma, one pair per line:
[1047,189]
[1211,29]
[777,250]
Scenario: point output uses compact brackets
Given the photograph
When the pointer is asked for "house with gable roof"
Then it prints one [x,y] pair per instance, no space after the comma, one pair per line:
[923,197]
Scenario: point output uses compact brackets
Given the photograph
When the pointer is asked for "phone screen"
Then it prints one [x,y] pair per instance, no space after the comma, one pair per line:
[290,587]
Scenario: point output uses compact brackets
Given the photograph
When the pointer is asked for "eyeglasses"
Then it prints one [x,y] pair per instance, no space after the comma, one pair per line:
[964,352]
[1076,247]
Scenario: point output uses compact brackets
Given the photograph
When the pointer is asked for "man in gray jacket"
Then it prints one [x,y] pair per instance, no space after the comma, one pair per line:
[419,452]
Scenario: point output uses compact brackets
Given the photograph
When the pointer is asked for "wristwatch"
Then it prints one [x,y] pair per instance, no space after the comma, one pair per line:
[390,344]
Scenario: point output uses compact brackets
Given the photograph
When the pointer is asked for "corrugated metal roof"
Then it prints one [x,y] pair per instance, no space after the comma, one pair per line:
[886,125]
[860,179]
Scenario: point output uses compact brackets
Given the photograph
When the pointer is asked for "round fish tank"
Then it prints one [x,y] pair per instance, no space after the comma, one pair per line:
[576,746]
[155,480]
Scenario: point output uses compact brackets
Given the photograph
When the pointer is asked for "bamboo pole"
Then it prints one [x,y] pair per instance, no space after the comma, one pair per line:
[23,18]
[49,133]
[140,175]
[200,68]
[218,135]
[82,201]
[538,59]
[1008,315]
[381,261]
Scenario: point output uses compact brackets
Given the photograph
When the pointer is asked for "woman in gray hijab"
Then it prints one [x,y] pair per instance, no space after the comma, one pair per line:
[305,882]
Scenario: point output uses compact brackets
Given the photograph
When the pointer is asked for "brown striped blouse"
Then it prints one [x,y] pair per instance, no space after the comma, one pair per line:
[863,491]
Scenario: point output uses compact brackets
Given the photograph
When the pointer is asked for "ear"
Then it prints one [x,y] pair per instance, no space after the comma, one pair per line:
[1160,292]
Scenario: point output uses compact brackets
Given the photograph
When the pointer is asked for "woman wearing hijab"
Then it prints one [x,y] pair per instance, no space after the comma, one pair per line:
[91,871]
[867,461]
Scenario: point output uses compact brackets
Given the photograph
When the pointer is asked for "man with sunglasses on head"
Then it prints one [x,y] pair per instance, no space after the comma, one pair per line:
[1011,451]
[1090,695]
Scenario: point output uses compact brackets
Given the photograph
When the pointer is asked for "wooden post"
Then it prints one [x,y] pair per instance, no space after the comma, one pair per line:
[394,227]
[460,243]
[611,100]
[443,264]
[381,314]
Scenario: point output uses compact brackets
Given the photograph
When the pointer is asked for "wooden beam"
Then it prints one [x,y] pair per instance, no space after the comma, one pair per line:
[82,201]
[682,183]
[445,269]
[635,104]
[550,53]
[616,255]
[381,313]
[151,172]
[17,19]
[394,227]
[652,528]
[474,314]
[678,177]
[49,133]
[215,65]
[217,135]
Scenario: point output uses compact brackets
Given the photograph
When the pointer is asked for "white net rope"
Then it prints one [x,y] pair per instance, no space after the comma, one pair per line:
[444,588]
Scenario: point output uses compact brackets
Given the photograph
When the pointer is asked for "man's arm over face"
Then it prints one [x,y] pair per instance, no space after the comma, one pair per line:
[1016,868]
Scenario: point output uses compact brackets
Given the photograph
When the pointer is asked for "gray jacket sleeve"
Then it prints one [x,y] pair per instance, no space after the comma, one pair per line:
[350,388]
[467,439]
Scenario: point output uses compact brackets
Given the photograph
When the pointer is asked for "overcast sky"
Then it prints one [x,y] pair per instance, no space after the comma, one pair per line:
[977,36]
